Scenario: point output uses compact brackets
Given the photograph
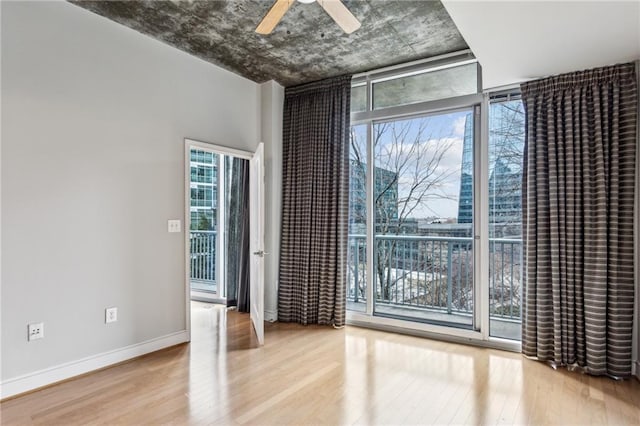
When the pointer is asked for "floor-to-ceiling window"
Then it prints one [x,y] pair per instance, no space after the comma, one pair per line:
[357,242]
[424,247]
[423,217]
[506,144]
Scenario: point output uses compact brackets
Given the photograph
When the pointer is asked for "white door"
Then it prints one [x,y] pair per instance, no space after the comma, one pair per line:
[256,230]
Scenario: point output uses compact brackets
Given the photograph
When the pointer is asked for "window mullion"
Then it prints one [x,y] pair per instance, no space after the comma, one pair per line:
[370,221]
[481,195]
[220,228]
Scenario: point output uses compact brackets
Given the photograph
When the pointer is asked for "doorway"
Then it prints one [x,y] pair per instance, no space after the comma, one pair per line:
[219,228]
[223,248]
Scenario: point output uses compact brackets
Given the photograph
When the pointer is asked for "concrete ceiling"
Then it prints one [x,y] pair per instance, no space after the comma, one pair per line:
[306,46]
[524,40]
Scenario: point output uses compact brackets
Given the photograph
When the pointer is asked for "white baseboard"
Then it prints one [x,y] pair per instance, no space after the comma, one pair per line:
[271,316]
[47,376]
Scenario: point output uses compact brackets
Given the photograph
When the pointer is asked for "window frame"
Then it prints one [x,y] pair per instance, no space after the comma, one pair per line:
[509,93]
[479,103]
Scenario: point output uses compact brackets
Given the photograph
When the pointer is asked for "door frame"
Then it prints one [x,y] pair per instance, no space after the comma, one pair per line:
[218,149]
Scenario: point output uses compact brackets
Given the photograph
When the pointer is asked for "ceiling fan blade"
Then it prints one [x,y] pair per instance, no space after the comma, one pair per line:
[339,12]
[274,16]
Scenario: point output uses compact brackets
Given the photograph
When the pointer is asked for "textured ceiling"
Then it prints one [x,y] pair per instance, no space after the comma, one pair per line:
[306,46]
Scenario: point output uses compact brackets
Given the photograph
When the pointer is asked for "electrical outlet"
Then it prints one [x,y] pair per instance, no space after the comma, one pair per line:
[173,225]
[110,315]
[35,331]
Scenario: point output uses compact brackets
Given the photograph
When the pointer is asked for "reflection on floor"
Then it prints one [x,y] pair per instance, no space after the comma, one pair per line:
[212,325]
[320,375]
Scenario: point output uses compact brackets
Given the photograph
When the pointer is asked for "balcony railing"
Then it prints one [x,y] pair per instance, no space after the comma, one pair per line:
[203,256]
[505,278]
[436,273]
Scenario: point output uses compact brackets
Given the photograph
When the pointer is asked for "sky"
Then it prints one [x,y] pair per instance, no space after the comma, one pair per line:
[410,146]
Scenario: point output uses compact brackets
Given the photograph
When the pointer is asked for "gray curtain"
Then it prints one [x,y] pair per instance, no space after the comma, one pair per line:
[577,200]
[237,232]
[315,195]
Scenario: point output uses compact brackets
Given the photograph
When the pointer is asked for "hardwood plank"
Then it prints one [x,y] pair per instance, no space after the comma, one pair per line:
[319,375]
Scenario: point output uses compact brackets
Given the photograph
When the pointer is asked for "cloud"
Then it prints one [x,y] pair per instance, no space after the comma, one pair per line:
[449,165]
[435,134]
[458,126]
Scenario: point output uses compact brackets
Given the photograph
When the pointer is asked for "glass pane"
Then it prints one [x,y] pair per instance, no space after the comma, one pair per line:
[428,86]
[506,145]
[203,220]
[356,250]
[203,213]
[424,219]
[198,156]
[202,174]
[359,98]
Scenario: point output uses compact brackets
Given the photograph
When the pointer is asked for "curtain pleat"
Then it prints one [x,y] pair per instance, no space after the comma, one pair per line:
[315,198]
[237,233]
[578,201]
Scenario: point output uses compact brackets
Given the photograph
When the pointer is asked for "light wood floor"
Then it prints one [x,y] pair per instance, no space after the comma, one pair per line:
[318,375]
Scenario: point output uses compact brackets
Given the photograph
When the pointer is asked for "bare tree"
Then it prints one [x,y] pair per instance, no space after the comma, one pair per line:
[505,158]
[507,128]
[409,175]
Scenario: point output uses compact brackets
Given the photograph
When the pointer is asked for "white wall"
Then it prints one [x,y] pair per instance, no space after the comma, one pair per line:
[271,129]
[517,41]
[93,120]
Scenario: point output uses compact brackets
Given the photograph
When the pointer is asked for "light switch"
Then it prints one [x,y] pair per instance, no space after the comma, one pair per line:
[173,225]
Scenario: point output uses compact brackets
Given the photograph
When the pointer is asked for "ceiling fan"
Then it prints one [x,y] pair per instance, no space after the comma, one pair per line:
[335,8]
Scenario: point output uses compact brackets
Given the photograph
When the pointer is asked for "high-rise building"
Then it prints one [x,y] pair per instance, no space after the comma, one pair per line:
[506,141]
[465,198]
[386,190]
[506,145]
[204,190]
